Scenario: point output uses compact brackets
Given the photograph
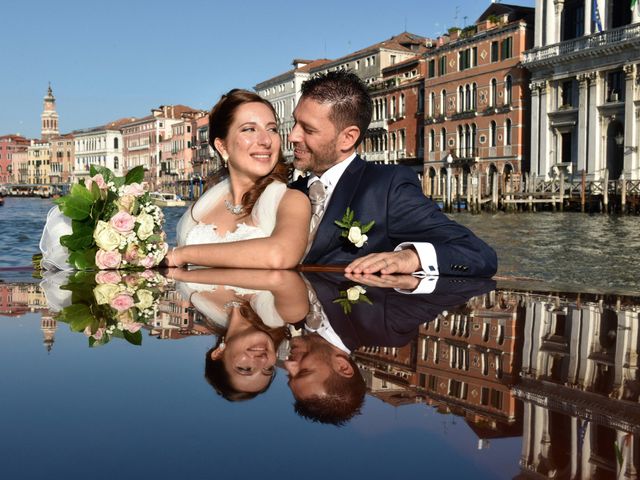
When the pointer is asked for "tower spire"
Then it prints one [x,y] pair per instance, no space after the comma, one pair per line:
[49,117]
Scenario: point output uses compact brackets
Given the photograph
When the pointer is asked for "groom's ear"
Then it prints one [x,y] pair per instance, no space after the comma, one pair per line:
[348,138]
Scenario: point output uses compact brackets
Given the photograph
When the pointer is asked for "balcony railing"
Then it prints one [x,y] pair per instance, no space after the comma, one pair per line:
[598,40]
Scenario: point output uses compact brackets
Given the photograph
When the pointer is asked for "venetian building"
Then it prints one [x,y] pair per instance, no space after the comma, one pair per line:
[62,160]
[476,95]
[579,386]
[10,145]
[100,146]
[48,325]
[584,88]
[49,117]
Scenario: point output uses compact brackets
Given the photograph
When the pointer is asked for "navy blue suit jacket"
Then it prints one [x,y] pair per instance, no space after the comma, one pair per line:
[392,319]
[391,196]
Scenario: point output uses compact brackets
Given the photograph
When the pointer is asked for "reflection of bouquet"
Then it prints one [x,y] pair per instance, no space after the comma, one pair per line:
[110,304]
[114,225]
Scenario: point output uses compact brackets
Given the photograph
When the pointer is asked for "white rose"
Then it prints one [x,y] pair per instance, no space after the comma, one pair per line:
[106,237]
[105,292]
[145,299]
[353,294]
[145,230]
[356,237]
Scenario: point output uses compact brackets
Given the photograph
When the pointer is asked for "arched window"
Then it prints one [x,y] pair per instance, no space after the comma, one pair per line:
[467,98]
[443,102]
[393,141]
[401,140]
[493,133]
[494,93]
[443,139]
[460,106]
[508,86]
[432,103]
[116,163]
[402,105]
[393,107]
[460,146]
[507,132]
[432,140]
[474,96]
[115,143]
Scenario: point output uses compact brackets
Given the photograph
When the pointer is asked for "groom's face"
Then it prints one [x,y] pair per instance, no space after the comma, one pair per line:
[314,137]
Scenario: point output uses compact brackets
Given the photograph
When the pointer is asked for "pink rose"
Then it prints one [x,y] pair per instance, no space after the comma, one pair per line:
[122,302]
[132,327]
[131,255]
[148,261]
[148,274]
[98,179]
[134,189]
[132,279]
[96,335]
[122,222]
[108,260]
[108,277]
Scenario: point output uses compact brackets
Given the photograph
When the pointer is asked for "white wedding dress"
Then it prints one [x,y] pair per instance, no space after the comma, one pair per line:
[263,216]
[54,255]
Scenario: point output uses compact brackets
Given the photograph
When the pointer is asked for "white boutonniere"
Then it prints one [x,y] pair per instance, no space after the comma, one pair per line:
[354,230]
[352,296]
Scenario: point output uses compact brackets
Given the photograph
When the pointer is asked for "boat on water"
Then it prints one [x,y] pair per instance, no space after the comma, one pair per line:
[163,199]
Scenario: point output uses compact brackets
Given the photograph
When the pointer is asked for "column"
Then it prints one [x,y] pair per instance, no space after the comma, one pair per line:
[539,38]
[630,131]
[535,128]
[550,23]
[593,146]
[557,21]
[588,4]
[544,153]
[583,121]
[635,14]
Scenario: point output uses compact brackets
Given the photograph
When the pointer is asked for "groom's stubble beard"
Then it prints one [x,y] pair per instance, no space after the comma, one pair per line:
[325,157]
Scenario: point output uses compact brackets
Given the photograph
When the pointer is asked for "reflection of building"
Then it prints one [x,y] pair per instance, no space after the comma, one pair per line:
[580,388]
[176,318]
[468,362]
[48,326]
[584,88]
[477,97]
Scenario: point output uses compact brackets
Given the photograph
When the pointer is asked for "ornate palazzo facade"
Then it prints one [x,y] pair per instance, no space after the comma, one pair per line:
[584,89]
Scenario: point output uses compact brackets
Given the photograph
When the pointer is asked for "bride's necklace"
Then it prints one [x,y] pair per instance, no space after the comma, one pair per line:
[234,209]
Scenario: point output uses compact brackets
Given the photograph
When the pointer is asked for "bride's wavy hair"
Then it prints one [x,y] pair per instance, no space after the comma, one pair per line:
[220,119]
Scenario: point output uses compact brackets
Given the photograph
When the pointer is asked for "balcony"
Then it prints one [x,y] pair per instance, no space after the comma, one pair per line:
[464,115]
[602,43]
[378,125]
[435,119]
[377,157]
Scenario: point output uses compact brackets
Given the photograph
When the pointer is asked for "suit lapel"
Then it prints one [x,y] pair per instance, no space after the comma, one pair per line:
[328,233]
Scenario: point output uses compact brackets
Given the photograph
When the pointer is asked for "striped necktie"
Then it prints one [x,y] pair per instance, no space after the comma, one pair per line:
[317,195]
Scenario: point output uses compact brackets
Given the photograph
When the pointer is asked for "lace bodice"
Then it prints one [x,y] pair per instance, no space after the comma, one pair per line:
[204,233]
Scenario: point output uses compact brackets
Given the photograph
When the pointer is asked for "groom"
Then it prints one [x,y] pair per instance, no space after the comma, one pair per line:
[410,233]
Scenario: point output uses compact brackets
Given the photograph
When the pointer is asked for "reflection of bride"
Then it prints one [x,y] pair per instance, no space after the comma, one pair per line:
[249,314]
[250,219]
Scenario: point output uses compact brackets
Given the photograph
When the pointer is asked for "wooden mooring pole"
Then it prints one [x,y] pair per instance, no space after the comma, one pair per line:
[605,192]
[623,195]
[583,191]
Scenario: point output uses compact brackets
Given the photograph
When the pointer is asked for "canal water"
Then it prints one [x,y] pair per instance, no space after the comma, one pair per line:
[570,250]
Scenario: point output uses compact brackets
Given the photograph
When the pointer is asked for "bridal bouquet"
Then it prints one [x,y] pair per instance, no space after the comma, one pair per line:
[110,223]
[112,304]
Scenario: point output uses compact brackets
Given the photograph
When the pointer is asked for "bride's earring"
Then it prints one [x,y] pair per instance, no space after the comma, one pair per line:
[225,160]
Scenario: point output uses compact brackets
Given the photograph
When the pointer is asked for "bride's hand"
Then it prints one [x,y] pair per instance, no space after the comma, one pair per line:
[172,259]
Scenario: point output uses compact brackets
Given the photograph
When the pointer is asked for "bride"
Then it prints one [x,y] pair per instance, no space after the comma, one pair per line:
[250,219]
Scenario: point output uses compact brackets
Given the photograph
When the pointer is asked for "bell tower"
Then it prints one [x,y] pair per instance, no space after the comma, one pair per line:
[49,116]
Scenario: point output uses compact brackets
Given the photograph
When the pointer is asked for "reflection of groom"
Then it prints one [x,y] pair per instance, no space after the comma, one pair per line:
[323,376]
[332,118]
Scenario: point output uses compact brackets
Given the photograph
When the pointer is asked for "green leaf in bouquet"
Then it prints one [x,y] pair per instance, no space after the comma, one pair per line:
[81,239]
[118,181]
[84,259]
[135,175]
[95,192]
[80,191]
[133,338]
[77,208]
[78,316]
[154,239]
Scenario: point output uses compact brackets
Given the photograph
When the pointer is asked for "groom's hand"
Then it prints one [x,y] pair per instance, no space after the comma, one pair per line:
[403,261]
[401,282]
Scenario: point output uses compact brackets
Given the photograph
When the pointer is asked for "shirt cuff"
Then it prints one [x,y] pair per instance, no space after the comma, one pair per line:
[426,285]
[427,255]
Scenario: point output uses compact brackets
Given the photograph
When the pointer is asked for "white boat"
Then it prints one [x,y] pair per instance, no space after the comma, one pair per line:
[162,199]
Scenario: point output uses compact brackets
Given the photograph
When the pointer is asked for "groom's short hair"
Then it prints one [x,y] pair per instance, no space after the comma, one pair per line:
[349,98]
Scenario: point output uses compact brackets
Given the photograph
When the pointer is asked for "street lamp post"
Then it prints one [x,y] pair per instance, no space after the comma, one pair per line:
[449,160]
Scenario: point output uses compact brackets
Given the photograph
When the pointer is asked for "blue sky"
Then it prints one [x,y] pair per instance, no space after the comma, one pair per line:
[108,60]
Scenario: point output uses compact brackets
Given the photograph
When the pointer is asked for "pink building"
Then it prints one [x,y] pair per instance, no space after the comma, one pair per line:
[9,146]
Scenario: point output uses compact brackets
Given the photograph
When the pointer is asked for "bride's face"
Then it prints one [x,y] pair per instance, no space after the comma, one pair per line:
[253,143]
[249,359]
